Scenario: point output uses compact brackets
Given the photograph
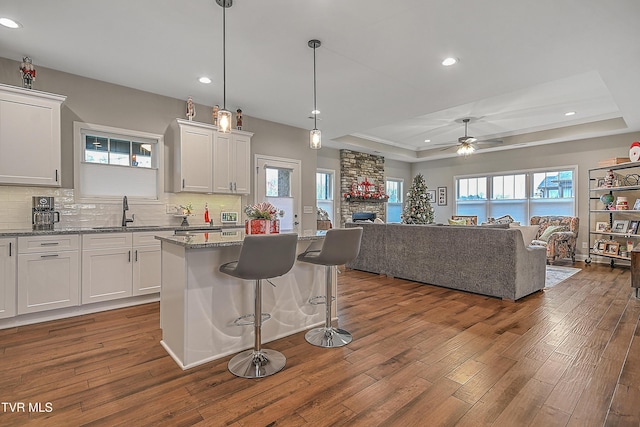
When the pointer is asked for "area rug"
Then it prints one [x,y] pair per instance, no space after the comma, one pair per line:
[556,274]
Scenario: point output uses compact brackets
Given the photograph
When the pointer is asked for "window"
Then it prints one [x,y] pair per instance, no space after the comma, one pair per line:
[394,204]
[112,163]
[324,191]
[521,194]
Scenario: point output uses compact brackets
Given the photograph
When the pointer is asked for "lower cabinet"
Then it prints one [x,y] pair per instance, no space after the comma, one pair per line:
[48,272]
[119,265]
[8,266]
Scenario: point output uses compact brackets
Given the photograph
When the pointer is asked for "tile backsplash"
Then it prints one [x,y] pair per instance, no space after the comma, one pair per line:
[15,208]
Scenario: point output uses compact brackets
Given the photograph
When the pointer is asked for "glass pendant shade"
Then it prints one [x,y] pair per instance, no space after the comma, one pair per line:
[224,121]
[315,139]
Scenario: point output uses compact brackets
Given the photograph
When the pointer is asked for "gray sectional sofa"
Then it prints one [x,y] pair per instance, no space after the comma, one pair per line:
[490,261]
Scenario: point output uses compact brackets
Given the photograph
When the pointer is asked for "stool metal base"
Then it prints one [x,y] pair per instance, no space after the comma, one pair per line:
[256,364]
[328,337]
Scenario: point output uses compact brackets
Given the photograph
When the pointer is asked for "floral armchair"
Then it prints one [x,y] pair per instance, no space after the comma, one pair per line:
[558,234]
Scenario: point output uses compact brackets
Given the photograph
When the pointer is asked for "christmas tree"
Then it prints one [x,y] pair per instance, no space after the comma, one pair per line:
[417,209]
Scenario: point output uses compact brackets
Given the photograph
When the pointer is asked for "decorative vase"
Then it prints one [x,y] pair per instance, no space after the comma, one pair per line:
[262,226]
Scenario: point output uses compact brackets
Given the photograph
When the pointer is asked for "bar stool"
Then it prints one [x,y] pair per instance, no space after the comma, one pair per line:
[341,245]
[261,257]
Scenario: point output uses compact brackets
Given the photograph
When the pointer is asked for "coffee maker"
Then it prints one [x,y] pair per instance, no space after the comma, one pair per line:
[43,215]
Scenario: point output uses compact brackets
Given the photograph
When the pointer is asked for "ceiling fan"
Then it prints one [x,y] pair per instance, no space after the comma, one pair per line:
[468,144]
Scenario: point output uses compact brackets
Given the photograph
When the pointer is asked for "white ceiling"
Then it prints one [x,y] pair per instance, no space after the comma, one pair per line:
[381,87]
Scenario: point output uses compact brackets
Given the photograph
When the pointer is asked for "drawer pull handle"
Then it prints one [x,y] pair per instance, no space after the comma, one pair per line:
[136,255]
[49,256]
[49,244]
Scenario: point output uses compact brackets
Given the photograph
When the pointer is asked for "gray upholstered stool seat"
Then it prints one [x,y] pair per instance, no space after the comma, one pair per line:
[341,245]
[261,257]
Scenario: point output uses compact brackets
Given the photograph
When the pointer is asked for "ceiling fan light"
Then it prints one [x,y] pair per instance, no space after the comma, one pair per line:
[224,121]
[465,149]
[315,139]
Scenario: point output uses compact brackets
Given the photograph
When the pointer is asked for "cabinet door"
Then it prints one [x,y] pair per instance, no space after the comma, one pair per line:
[195,154]
[222,164]
[8,259]
[242,164]
[147,270]
[29,144]
[106,274]
[47,281]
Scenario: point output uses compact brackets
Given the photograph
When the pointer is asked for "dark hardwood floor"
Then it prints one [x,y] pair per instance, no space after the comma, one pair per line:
[421,356]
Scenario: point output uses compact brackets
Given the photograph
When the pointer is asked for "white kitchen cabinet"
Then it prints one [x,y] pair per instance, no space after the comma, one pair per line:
[232,163]
[48,272]
[119,265]
[205,161]
[29,137]
[147,262]
[192,151]
[8,265]
[106,266]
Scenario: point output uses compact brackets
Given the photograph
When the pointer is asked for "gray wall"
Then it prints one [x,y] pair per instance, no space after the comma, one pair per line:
[584,153]
[107,104]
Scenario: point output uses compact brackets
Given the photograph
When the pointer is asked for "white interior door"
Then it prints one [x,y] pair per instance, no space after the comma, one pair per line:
[278,182]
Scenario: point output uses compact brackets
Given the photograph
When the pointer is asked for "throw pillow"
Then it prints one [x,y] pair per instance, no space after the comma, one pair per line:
[460,221]
[549,231]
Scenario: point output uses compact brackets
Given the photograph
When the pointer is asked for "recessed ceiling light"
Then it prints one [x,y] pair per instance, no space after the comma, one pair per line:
[570,113]
[9,23]
[427,140]
[449,61]
[205,80]
[315,112]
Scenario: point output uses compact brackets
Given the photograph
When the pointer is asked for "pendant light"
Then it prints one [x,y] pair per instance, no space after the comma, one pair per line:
[224,115]
[315,137]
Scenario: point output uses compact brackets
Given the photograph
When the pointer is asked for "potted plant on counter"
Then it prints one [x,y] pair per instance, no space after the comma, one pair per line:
[262,218]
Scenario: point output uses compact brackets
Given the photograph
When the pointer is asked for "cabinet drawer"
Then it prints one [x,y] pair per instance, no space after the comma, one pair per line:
[50,243]
[106,240]
[148,238]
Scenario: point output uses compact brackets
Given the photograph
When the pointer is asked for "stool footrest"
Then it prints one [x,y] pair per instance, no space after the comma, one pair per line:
[320,300]
[242,320]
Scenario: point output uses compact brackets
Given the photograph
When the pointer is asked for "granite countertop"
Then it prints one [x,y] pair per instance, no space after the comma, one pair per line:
[113,229]
[220,238]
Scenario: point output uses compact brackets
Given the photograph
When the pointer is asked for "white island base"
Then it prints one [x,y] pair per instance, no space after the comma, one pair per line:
[199,304]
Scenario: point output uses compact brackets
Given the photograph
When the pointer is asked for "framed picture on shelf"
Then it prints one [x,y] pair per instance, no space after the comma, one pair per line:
[633,227]
[602,245]
[636,205]
[602,226]
[442,196]
[620,226]
[600,183]
[432,195]
[612,248]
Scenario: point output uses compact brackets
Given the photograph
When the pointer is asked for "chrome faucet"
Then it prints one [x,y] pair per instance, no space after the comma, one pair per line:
[125,208]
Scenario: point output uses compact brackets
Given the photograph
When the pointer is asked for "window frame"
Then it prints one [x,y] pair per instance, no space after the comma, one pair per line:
[332,202]
[401,196]
[529,200]
[80,128]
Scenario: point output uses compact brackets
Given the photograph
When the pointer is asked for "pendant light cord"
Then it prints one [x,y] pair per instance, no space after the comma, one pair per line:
[224,55]
[315,106]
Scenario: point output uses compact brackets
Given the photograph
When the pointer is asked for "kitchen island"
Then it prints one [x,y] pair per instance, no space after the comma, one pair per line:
[198,304]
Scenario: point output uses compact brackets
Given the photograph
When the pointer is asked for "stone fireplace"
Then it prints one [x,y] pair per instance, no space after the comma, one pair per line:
[356,167]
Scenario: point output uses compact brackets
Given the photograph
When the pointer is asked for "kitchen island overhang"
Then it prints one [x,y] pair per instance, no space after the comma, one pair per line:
[198,304]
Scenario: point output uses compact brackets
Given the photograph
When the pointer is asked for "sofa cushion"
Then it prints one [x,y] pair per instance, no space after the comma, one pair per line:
[529,232]
[549,231]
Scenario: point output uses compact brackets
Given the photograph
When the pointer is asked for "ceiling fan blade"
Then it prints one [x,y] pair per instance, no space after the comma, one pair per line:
[490,142]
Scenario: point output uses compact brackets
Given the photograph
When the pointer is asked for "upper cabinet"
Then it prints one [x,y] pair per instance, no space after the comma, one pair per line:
[232,163]
[206,161]
[29,137]
[193,161]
